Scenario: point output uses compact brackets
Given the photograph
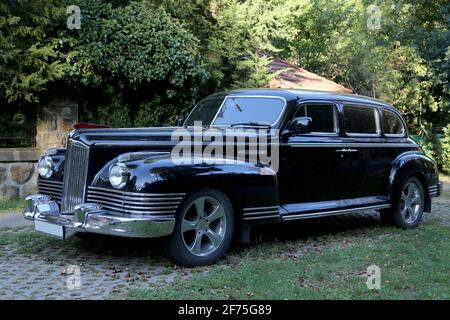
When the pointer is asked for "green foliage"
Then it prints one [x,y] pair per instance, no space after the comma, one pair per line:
[446,150]
[27,62]
[432,146]
[132,54]
[245,28]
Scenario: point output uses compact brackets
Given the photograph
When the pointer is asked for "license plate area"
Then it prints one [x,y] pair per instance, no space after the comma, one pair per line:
[49,228]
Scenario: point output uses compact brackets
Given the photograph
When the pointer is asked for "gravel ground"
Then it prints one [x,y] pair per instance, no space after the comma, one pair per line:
[36,267]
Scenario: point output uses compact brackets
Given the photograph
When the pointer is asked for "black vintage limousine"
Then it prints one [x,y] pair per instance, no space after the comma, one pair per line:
[331,154]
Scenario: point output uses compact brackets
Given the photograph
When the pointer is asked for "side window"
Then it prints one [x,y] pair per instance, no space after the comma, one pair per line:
[322,115]
[392,125]
[361,120]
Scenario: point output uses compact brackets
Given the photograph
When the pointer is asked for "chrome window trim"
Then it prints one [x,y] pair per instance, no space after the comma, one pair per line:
[336,132]
[394,135]
[377,121]
[250,96]
[207,98]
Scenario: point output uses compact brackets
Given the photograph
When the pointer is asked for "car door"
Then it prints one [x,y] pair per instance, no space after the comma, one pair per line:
[310,168]
[367,152]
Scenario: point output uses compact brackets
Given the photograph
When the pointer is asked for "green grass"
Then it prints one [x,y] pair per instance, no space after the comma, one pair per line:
[13,205]
[25,240]
[415,264]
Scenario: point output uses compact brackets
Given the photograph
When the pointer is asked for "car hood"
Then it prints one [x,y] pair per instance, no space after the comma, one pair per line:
[153,137]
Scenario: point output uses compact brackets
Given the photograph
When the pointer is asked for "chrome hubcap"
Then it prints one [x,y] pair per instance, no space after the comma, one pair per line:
[410,202]
[203,226]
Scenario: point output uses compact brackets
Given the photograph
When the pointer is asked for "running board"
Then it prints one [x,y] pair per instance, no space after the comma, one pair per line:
[289,217]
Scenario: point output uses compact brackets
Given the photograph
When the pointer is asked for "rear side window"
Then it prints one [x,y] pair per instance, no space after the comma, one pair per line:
[360,120]
[322,115]
[392,125]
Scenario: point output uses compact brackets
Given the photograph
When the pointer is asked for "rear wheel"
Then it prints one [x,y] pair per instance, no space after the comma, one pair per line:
[203,229]
[408,205]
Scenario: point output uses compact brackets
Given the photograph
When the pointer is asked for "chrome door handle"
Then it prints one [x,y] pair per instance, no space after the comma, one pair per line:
[346,150]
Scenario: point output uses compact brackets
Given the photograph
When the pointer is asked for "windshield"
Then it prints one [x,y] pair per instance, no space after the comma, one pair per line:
[237,110]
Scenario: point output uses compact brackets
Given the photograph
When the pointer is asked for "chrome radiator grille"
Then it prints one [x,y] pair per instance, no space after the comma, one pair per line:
[160,204]
[75,175]
[51,188]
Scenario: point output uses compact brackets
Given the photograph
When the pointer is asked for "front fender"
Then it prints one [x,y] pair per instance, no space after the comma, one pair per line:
[248,185]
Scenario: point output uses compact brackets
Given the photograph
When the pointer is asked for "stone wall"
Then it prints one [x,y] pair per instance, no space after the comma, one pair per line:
[18,175]
[18,166]
[55,122]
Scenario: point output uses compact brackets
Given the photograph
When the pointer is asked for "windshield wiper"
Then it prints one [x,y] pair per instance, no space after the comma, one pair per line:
[250,124]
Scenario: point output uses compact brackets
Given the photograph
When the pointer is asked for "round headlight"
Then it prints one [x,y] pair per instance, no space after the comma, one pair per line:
[118,175]
[45,167]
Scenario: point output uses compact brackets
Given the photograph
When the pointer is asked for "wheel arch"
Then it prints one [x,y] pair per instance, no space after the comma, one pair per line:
[414,164]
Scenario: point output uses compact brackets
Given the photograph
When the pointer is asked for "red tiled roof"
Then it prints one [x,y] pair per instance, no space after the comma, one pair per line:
[295,77]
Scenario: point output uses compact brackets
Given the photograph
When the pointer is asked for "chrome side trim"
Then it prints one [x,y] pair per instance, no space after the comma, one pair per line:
[332,213]
[262,217]
[259,213]
[260,208]
[433,191]
[343,144]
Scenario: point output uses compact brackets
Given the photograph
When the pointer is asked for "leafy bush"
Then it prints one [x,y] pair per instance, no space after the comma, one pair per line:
[446,150]
[432,147]
[141,65]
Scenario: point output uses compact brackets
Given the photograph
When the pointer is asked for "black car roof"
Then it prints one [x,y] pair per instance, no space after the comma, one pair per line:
[295,94]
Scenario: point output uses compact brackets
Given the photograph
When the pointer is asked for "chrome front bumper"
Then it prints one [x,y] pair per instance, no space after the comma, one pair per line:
[90,217]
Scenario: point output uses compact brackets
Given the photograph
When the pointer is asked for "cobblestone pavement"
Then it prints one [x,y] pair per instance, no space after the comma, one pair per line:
[37,267]
[45,268]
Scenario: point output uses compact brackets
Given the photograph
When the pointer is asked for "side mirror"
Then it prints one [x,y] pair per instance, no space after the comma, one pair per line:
[300,125]
[179,122]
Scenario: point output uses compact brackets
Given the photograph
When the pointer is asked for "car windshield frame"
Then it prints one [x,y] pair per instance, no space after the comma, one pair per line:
[283,108]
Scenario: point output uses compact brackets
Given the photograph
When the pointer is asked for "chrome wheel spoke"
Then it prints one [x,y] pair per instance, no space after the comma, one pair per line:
[196,245]
[188,225]
[404,197]
[416,199]
[196,218]
[200,207]
[410,202]
[214,237]
[218,213]
[404,211]
[410,214]
[408,191]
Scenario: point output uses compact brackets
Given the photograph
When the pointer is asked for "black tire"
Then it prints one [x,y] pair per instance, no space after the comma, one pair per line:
[181,250]
[406,214]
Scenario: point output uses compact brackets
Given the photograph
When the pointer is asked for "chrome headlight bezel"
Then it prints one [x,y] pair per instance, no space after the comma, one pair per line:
[118,175]
[46,167]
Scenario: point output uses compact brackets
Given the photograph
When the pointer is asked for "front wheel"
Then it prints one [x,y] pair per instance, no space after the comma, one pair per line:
[408,205]
[203,229]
